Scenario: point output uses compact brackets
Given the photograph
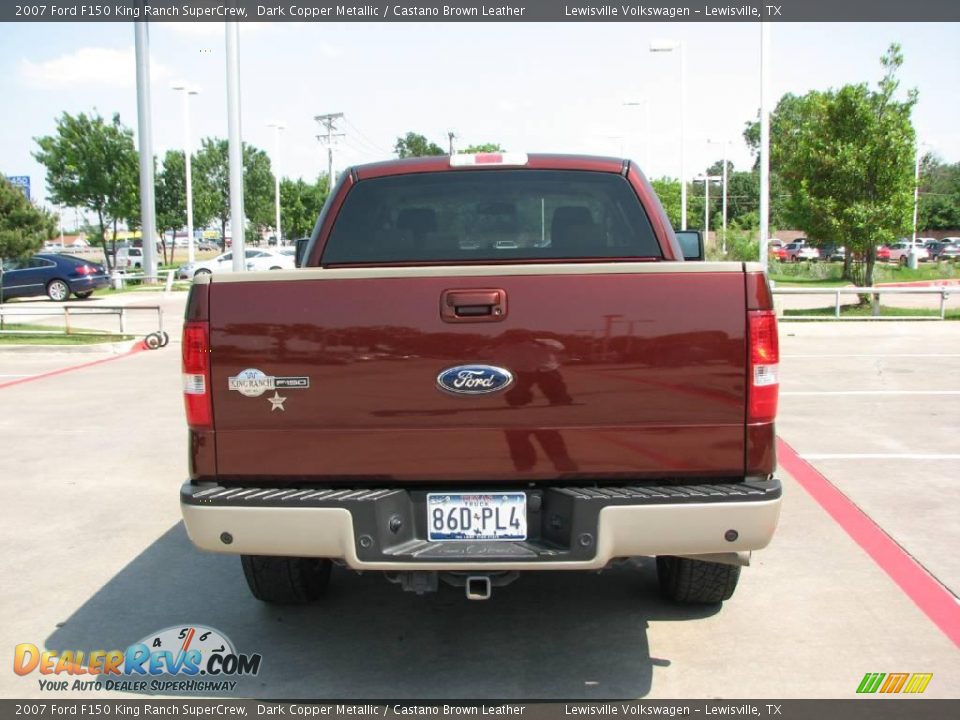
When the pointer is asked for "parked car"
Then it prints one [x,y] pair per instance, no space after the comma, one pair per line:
[832,252]
[53,275]
[297,463]
[219,264]
[946,249]
[883,253]
[900,252]
[798,250]
[271,260]
[129,258]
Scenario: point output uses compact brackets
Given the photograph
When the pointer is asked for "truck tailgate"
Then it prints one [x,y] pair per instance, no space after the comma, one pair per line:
[620,371]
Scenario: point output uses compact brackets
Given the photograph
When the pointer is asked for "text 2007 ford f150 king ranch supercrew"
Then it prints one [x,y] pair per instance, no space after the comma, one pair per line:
[486,365]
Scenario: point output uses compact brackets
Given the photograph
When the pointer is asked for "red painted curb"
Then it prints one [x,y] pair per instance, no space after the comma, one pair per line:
[936,601]
[132,351]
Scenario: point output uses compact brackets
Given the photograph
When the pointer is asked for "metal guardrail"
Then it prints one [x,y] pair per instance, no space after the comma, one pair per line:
[117,279]
[72,311]
[875,292]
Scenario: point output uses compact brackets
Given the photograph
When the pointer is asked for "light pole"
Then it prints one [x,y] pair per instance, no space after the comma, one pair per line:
[646,129]
[669,46]
[916,190]
[187,152]
[726,146]
[706,180]
[277,127]
[765,98]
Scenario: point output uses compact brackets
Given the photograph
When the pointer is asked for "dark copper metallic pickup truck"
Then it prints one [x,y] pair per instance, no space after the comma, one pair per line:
[485,365]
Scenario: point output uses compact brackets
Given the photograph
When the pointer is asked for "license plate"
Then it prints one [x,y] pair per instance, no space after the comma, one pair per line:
[496,516]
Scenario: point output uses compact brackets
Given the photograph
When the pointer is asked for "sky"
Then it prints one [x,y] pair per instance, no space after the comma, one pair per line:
[534,87]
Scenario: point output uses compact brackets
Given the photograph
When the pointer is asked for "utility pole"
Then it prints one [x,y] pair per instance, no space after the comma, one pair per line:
[148,208]
[764,142]
[329,121]
[237,217]
[277,126]
[726,147]
[451,135]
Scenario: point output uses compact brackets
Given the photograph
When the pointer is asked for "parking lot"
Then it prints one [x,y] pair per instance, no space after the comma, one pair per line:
[96,556]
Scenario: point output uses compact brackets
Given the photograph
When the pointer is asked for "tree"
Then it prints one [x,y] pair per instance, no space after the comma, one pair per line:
[93,164]
[171,198]
[668,190]
[212,185]
[414,145]
[23,226]
[300,204]
[484,148]
[846,159]
[939,195]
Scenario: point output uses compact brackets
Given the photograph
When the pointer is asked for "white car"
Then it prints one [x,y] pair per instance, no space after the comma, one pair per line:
[798,250]
[900,252]
[273,260]
[219,264]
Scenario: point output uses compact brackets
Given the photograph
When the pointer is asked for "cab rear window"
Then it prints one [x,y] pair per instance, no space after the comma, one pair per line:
[491,215]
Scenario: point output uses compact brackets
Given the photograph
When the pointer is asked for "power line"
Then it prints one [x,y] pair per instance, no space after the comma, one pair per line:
[366,138]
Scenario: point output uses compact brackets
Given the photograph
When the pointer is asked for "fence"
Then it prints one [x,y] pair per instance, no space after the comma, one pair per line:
[69,312]
[874,293]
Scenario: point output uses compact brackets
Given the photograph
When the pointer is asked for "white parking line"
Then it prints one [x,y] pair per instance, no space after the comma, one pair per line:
[880,456]
[878,355]
[869,392]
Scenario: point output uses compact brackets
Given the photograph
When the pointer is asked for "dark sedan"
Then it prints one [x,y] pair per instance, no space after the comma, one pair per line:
[56,276]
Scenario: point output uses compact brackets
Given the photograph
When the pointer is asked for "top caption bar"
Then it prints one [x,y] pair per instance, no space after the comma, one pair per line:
[490,11]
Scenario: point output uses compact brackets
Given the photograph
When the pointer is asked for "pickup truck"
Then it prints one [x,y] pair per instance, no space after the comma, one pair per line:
[484,365]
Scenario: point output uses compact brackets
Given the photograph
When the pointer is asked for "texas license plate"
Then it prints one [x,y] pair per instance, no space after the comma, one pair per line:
[497,516]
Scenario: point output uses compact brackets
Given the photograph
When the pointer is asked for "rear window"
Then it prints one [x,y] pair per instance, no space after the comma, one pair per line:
[491,215]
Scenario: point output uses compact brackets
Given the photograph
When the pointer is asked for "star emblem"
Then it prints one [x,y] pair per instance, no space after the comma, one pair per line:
[276,402]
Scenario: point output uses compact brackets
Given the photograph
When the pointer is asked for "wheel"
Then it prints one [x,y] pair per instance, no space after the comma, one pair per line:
[84,295]
[153,341]
[276,268]
[696,581]
[903,260]
[199,273]
[286,580]
[165,338]
[58,290]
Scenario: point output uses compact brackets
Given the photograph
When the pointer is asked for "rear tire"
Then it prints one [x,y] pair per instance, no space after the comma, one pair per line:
[58,290]
[84,295]
[696,581]
[286,580]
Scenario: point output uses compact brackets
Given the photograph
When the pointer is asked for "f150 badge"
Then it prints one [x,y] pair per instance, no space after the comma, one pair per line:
[254,383]
[474,379]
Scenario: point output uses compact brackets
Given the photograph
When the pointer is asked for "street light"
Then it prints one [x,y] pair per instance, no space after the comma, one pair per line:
[669,46]
[706,180]
[726,146]
[916,190]
[187,151]
[277,126]
[646,129]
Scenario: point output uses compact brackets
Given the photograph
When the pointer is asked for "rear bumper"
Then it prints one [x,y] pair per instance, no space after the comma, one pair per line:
[570,528]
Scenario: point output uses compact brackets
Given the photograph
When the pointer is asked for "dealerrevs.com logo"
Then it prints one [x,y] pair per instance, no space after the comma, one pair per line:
[183,658]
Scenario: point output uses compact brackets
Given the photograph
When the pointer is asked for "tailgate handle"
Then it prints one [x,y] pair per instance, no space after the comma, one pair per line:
[474,305]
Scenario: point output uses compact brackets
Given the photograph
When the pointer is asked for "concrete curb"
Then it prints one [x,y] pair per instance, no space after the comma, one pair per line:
[116,348]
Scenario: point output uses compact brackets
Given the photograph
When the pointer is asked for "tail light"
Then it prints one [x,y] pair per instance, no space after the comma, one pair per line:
[764,368]
[196,375]
[85,270]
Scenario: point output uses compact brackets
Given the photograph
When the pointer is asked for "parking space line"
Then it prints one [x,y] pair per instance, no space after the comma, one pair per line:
[40,376]
[880,456]
[870,392]
[927,593]
[877,355]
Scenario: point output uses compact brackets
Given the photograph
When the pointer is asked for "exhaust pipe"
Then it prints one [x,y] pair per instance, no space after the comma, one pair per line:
[478,587]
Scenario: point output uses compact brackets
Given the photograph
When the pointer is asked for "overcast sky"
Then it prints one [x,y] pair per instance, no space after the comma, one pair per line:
[532,87]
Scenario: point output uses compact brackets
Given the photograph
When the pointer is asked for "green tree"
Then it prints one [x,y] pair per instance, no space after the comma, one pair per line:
[414,145]
[300,204]
[23,226]
[212,185]
[846,159]
[939,195]
[93,164]
[668,190]
[484,148]
[171,198]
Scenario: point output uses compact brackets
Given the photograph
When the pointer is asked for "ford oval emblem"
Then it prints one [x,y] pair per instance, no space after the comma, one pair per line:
[474,379]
